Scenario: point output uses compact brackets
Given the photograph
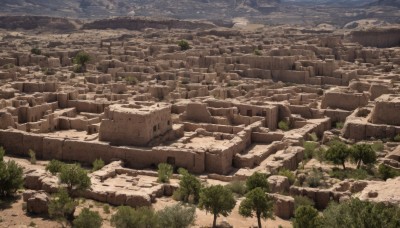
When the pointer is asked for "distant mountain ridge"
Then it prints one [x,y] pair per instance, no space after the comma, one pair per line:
[181,9]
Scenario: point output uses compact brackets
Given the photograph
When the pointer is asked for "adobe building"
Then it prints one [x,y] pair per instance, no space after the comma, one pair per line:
[135,124]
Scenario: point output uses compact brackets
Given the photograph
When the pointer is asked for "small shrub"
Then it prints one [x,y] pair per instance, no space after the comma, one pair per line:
[237,187]
[306,217]
[309,149]
[189,187]
[257,52]
[88,219]
[289,174]
[36,51]
[177,216]
[32,157]
[184,45]
[106,209]
[314,178]
[131,80]
[397,138]
[129,217]
[164,172]
[339,125]
[378,146]
[283,125]
[74,177]
[97,164]
[357,174]
[302,201]
[32,224]
[385,172]
[10,177]
[313,137]
[61,206]
[54,166]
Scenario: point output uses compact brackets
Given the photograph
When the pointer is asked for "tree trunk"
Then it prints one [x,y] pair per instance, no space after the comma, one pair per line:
[215,221]
[358,164]
[259,220]
[344,166]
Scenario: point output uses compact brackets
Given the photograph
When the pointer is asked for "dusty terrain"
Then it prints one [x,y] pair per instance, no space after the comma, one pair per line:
[222,102]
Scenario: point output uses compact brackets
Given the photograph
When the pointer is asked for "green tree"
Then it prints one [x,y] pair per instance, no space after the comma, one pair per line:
[61,206]
[81,59]
[97,164]
[164,172]
[357,213]
[189,186]
[217,200]
[184,45]
[177,216]
[10,177]
[363,153]
[54,166]
[257,180]
[259,203]
[338,153]
[306,217]
[127,217]
[74,177]
[88,219]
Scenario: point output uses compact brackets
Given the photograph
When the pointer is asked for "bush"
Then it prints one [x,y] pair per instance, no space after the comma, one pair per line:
[54,166]
[313,137]
[131,80]
[10,177]
[289,174]
[257,52]
[314,178]
[106,209]
[339,125]
[88,219]
[189,187]
[386,172]
[309,149]
[257,180]
[36,51]
[177,216]
[74,177]
[357,213]
[32,156]
[127,217]
[97,164]
[306,217]
[302,201]
[237,187]
[283,125]
[397,138]
[61,206]
[378,146]
[184,45]
[164,172]
[357,174]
